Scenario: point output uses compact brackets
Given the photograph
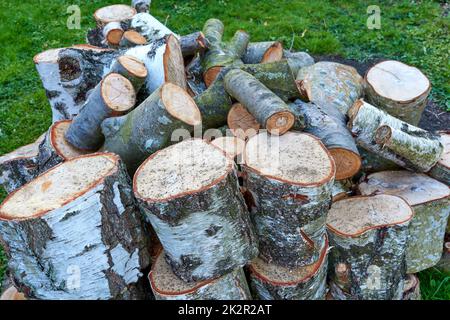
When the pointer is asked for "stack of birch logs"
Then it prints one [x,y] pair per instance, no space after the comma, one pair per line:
[190,167]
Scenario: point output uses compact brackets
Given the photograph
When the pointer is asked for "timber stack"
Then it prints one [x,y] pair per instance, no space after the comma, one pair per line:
[194,167]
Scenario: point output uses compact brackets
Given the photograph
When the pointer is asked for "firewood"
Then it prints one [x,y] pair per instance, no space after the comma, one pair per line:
[430,200]
[19,166]
[341,189]
[213,234]
[74,232]
[141,5]
[271,282]
[12,294]
[370,162]
[290,178]
[132,38]
[441,170]
[333,133]
[113,13]
[270,111]
[411,290]
[241,122]
[167,286]
[112,33]
[221,54]
[369,239]
[408,146]
[131,68]
[113,96]
[333,84]
[398,89]
[233,147]
[150,126]
[149,27]
[193,43]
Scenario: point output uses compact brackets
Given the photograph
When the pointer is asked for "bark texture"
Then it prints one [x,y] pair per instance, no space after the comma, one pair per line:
[412,288]
[149,27]
[256,51]
[193,43]
[441,171]
[141,5]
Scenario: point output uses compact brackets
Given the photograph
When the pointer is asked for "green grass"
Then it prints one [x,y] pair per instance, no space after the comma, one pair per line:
[415,32]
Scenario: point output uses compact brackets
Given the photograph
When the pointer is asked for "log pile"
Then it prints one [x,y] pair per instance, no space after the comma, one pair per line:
[193,167]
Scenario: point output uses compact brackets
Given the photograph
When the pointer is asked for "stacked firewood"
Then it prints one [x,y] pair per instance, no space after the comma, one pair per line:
[303,181]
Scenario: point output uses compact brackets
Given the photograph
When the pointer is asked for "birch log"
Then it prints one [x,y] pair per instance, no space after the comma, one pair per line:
[132,38]
[271,282]
[398,89]
[441,170]
[112,33]
[113,96]
[131,68]
[333,133]
[369,239]
[74,232]
[212,235]
[430,200]
[241,122]
[168,109]
[141,5]
[408,146]
[167,286]
[290,178]
[270,111]
[328,83]
[149,27]
[19,166]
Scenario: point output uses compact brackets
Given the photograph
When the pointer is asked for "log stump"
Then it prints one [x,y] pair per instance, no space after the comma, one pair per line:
[430,200]
[398,89]
[212,235]
[290,178]
[441,171]
[167,286]
[369,239]
[75,232]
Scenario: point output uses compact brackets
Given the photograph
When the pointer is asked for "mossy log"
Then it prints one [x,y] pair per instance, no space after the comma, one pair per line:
[290,179]
[272,282]
[410,147]
[430,200]
[167,286]
[369,239]
[441,170]
[167,109]
[75,232]
[398,89]
[213,234]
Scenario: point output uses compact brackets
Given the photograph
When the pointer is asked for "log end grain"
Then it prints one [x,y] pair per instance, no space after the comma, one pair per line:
[180,104]
[173,63]
[347,163]
[232,146]
[211,74]
[12,294]
[273,53]
[241,122]
[57,139]
[118,93]
[280,122]
[134,66]
[134,37]
[114,13]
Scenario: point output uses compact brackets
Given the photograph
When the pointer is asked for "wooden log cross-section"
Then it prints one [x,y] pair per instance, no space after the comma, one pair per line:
[430,200]
[132,38]
[75,232]
[290,178]
[271,282]
[369,239]
[441,171]
[212,235]
[410,147]
[242,123]
[167,286]
[131,68]
[398,89]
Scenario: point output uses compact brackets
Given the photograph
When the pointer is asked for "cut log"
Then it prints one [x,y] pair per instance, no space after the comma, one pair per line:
[193,43]
[290,178]
[112,33]
[221,54]
[131,68]
[168,109]
[341,189]
[12,294]
[164,62]
[141,5]
[441,171]
[213,234]
[271,51]
[79,212]
[376,131]
[411,290]
[19,166]
[54,149]
[430,200]
[149,27]
[241,122]
[370,162]
[369,239]
[271,282]
[113,13]
[256,51]
[398,89]
[333,133]
[330,84]
[113,96]
[270,111]
[132,38]
[167,286]
[233,147]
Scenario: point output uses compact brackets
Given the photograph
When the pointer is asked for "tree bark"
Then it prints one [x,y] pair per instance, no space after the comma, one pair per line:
[141,5]
[149,27]
[430,200]
[341,190]
[113,96]
[333,133]
[441,170]
[408,146]
[412,288]
[272,282]
[398,89]
[370,162]
[213,234]
[194,75]
[193,43]
[167,286]
[167,109]
[80,237]
[268,109]
[369,239]
[290,211]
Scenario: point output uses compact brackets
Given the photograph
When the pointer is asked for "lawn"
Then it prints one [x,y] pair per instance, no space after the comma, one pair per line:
[415,32]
